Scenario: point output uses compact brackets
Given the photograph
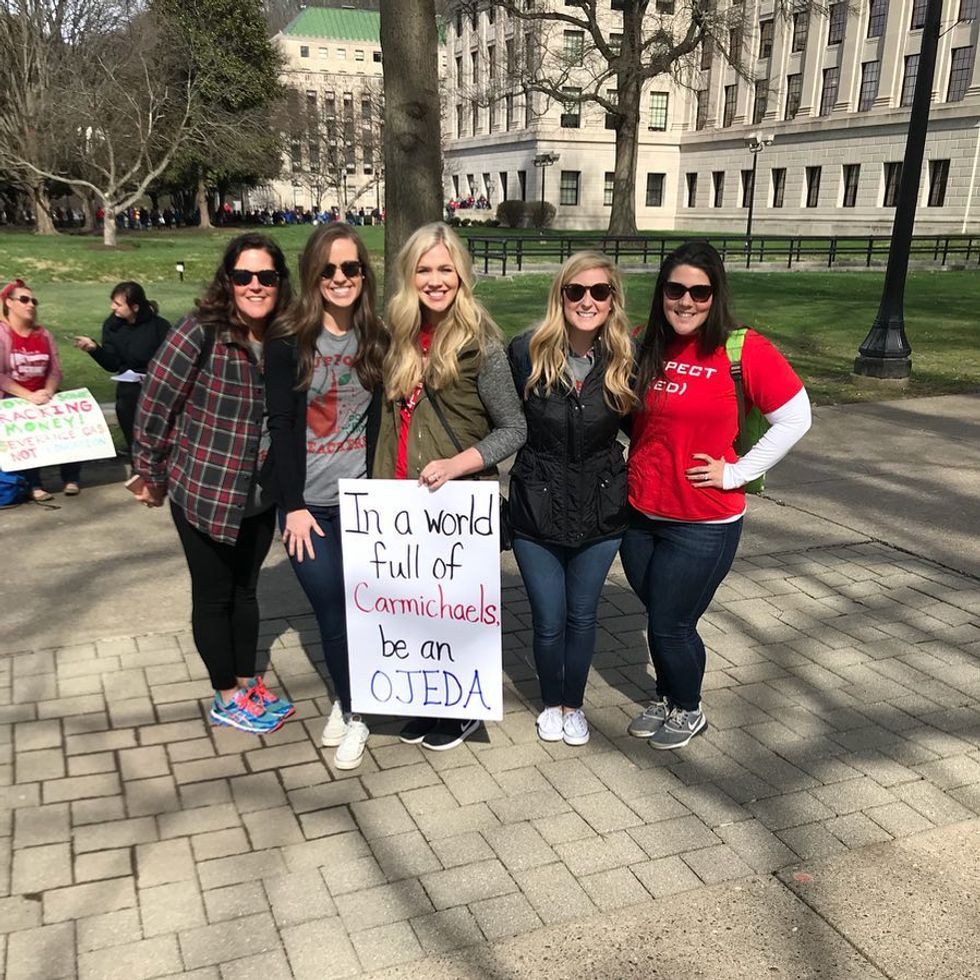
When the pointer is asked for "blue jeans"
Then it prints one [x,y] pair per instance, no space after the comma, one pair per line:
[564,585]
[322,579]
[675,567]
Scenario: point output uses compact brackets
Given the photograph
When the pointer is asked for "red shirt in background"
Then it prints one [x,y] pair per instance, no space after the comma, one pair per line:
[693,410]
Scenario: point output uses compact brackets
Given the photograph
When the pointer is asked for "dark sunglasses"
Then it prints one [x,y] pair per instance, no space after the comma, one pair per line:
[26,299]
[351,269]
[266,277]
[574,291]
[676,290]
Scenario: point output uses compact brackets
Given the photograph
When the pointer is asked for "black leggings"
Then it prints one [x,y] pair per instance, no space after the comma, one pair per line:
[225,610]
[127,398]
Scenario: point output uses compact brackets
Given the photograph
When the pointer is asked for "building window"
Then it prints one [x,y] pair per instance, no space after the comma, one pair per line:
[341,54]
[692,190]
[323,52]
[893,177]
[761,98]
[456,186]
[296,156]
[311,100]
[655,190]
[960,70]
[474,66]
[728,111]
[658,111]
[801,26]
[568,190]
[615,44]
[748,186]
[938,175]
[707,53]
[511,116]
[778,186]
[304,51]
[607,189]
[870,72]
[765,38]
[812,186]
[522,183]
[573,47]
[459,118]
[358,54]
[908,79]
[735,45]
[877,17]
[969,9]
[852,172]
[376,57]
[612,97]
[794,92]
[475,116]
[459,72]
[919,14]
[700,108]
[837,24]
[510,56]
[665,6]
[503,185]
[828,92]
[571,113]
[718,182]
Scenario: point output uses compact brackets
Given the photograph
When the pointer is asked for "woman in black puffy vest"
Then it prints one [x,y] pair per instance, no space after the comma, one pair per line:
[568,485]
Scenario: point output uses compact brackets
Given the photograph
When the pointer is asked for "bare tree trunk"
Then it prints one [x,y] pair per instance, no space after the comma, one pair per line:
[202,203]
[412,141]
[109,225]
[41,200]
[88,210]
[622,217]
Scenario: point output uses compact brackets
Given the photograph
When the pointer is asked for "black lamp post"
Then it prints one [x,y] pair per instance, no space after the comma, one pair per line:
[886,352]
[543,161]
[757,144]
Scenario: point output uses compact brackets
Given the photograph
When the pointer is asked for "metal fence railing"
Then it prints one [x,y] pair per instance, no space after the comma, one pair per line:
[514,252]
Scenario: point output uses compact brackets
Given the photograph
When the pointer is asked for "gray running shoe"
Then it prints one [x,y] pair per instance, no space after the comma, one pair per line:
[654,715]
[679,728]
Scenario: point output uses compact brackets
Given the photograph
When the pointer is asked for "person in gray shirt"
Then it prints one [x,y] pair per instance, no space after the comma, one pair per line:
[323,374]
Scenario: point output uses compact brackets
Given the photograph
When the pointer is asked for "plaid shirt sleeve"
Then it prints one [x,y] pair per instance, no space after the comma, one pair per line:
[169,380]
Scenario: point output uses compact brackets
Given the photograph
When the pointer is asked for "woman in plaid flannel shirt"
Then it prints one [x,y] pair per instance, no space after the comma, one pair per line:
[199,438]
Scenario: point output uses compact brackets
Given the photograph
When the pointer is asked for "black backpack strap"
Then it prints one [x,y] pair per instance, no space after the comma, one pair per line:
[437,408]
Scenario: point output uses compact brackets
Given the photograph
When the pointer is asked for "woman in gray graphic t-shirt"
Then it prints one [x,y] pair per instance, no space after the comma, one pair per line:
[322,371]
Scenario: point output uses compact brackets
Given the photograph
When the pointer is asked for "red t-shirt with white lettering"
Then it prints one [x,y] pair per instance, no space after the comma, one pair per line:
[30,359]
[693,409]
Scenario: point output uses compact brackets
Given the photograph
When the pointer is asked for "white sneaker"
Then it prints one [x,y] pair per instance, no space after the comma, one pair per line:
[575,729]
[335,728]
[550,725]
[351,749]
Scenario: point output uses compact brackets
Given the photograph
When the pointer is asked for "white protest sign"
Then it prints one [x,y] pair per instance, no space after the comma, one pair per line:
[68,429]
[422,584]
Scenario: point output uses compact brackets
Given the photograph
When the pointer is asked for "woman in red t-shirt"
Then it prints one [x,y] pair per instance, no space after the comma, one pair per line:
[30,369]
[686,481]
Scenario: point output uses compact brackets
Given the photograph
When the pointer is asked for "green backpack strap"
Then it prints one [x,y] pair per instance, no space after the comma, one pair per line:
[733,348]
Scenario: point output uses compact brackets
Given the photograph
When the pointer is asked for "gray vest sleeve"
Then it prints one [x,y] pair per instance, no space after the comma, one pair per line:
[495,385]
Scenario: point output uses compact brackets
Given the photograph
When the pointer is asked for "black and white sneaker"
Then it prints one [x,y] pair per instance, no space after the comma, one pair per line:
[449,733]
[415,729]
[679,728]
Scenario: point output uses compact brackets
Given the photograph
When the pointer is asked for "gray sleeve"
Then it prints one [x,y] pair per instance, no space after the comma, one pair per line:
[495,385]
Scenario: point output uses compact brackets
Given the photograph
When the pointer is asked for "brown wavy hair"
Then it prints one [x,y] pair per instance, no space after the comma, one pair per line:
[216,309]
[304,319]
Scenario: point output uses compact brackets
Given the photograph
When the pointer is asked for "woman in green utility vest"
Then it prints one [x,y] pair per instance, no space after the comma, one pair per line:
[446,357]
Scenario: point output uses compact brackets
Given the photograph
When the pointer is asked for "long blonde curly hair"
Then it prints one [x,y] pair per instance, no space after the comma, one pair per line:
[466,324]
[549,348]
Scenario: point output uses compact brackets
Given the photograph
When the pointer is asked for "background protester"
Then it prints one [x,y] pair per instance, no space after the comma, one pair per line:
[131,335]
[323,377]
[446,358]
[685,479]
[30,369]
[568,483]
[199,438]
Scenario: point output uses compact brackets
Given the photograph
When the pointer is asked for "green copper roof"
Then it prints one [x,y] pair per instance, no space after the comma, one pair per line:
[336,24]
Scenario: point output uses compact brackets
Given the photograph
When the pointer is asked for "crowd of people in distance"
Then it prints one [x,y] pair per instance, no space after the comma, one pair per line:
[229,429]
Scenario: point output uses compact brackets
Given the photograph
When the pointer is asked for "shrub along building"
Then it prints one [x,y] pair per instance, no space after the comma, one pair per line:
[830,86]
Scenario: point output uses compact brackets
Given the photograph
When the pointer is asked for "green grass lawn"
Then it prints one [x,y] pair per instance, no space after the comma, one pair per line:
[817,319]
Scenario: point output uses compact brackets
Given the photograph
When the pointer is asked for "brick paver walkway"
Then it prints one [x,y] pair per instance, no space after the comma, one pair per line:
[842,694]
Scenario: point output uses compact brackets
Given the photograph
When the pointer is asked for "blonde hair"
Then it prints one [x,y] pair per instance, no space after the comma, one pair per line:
[549,348]
[466,323]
